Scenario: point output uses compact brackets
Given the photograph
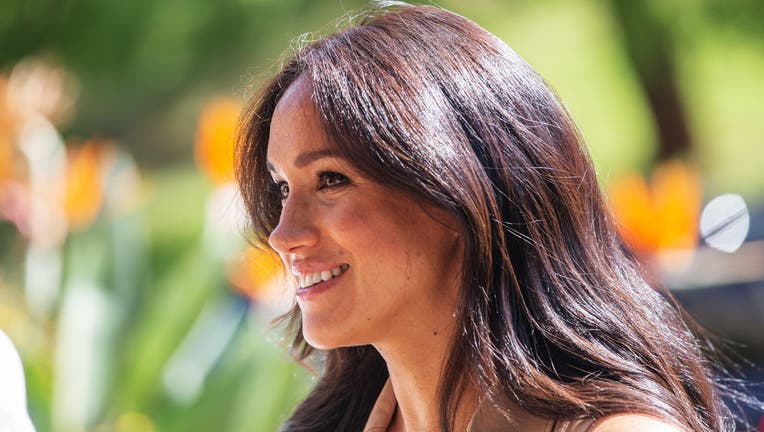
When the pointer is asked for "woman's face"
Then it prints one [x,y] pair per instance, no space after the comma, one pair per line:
[370,264]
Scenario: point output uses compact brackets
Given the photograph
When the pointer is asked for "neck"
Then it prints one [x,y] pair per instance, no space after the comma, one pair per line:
[415,364]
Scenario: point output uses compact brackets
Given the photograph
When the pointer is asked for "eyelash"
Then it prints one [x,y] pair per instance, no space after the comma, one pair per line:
[281,189]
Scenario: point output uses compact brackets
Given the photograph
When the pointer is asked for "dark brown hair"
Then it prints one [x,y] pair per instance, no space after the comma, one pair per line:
[555,313]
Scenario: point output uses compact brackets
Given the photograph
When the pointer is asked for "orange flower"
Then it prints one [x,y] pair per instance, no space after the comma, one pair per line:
[7,130]
[215,135]
[660,216]
[7,159]
[84,186]
[256,274]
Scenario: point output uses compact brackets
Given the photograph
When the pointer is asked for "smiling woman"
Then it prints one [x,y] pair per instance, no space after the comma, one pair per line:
[356,247]
[453,261]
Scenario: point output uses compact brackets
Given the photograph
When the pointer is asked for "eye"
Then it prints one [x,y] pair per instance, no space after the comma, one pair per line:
[330,179]
[280,189]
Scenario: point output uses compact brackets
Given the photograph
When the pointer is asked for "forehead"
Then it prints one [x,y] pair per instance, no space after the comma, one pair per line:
[295,124]
[297,97]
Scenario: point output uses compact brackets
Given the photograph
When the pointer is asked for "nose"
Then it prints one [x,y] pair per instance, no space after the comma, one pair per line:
[296,228]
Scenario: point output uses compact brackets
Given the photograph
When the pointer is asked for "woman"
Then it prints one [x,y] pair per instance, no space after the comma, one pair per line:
[453,259]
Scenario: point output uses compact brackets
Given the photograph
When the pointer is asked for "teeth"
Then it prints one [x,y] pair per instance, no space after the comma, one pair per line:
[314,278]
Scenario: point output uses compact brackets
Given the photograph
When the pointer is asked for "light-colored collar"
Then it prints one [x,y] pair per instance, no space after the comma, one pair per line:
[485,419]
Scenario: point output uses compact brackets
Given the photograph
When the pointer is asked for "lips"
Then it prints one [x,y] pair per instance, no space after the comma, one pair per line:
[310,279]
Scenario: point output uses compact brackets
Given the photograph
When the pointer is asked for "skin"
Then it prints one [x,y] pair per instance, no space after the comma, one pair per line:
[632,423]
[400,291]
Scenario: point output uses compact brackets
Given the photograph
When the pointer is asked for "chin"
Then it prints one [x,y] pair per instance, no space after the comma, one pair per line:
[324,338]
[320,341]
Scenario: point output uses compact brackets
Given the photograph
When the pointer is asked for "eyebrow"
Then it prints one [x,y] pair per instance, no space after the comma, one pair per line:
[304,159]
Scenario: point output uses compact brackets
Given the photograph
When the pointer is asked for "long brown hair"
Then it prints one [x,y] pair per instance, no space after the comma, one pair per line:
[555,313]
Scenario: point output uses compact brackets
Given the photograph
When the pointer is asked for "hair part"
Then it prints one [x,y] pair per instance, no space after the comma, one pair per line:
[555,313]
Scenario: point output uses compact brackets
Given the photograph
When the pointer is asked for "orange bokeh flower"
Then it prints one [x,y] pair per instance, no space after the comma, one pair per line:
[659,216]
[84,184]
[256,274]
[215,134]
[8,159]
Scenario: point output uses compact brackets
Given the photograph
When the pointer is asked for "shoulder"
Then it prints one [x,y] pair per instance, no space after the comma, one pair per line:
[631,422]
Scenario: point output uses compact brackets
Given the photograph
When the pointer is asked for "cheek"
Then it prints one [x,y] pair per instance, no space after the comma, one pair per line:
[377,233]
[390,246]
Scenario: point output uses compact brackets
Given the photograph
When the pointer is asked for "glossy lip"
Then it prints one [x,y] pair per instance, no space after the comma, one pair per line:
[309,293]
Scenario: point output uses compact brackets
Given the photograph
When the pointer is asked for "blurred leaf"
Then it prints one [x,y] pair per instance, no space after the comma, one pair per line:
[169,310]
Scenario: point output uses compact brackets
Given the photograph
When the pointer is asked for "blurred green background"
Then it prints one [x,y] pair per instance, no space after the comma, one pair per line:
[125,280]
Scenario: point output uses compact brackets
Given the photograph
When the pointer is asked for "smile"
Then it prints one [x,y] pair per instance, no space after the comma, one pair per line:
[311,279]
